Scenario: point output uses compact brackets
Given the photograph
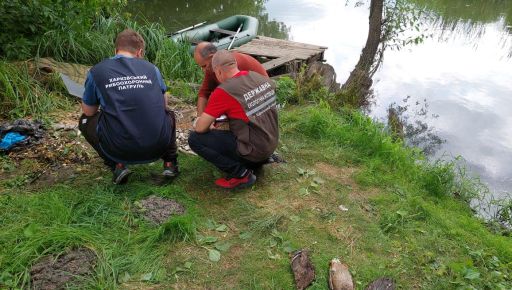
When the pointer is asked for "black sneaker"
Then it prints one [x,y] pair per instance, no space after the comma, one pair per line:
[170,170]
[120,174]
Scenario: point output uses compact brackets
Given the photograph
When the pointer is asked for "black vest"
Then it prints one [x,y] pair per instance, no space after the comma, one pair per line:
[133,126]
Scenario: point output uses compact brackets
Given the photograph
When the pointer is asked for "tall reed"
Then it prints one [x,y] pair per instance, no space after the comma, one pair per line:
[21,95]
[90,46]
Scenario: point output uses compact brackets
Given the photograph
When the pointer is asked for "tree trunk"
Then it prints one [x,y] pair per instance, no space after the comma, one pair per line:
[359,82]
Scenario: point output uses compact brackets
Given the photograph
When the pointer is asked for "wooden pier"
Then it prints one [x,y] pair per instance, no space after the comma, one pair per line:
[282,56]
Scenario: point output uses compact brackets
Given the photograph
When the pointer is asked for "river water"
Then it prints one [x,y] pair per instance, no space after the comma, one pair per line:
[461,75]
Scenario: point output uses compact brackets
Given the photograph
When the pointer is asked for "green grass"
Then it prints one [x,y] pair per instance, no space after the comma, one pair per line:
[402,220]
[21,94]
[98,216]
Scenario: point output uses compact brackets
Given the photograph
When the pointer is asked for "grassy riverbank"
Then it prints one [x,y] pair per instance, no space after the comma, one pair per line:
[402,220]
[348,190]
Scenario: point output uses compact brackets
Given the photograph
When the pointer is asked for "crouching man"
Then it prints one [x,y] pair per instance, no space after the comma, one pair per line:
[248,100]
[133,125]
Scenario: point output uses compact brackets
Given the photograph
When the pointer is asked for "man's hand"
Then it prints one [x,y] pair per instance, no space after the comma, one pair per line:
[89,111]
[203,123]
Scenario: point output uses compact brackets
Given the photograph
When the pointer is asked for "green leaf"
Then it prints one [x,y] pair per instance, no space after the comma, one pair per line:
[188,265]
[211,224]
[402,213]
[30,230]
[213,255]
[294,218]
[222,228]
[287,247]
[272,256]
[178,270]
[471,274]
[318,180]
[245,235]
[146,277]
[124,278]
[303,191]
[206,240]
[210,240]
[222,246]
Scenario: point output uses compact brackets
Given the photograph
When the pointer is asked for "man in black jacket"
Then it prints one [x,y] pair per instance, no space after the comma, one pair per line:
[133,125]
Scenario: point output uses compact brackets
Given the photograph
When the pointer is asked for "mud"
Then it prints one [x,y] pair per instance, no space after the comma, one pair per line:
[158,210]
[63,271]
[54,175]
[159,180]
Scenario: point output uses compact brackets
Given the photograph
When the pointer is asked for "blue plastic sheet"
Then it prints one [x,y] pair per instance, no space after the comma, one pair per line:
[10,139]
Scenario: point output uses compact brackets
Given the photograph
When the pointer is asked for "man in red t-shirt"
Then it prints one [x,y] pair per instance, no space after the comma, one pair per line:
[248,100]
[203,54]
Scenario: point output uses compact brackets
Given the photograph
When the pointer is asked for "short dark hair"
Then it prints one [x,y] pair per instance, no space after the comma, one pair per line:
[129,40]
[207,50]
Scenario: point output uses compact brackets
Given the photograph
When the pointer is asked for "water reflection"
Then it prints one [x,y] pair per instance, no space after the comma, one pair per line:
[468,19]
[176,14]
[413,119]
[473,12]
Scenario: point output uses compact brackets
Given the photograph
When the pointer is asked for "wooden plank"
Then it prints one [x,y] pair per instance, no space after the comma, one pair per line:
[277,62]
[311,46]
[281,45]
[276,52]
[279,49]
[223,31]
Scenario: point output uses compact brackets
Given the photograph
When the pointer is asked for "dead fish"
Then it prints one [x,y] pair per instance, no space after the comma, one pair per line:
[339,276]
[382,284]
[303,269]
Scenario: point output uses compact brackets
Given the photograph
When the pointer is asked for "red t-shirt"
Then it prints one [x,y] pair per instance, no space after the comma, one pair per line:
[245,63]
[222,103]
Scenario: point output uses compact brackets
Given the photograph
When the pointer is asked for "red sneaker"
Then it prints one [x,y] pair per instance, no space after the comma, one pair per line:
[233,182]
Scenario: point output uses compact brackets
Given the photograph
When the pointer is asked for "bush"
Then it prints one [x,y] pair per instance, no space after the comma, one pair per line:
[286,90]
[24,22]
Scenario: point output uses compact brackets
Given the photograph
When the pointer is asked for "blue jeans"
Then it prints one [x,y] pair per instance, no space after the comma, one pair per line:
[219,147]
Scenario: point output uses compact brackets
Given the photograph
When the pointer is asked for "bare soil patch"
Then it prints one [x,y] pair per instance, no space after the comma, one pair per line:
[65,270]
[158,209]
[341,174]
[344,175]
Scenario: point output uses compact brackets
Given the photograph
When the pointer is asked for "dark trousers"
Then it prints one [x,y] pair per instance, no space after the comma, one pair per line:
[219,147]
[87,125]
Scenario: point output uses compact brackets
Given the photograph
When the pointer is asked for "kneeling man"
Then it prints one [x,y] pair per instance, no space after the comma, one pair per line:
[133,125]
[248,100]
